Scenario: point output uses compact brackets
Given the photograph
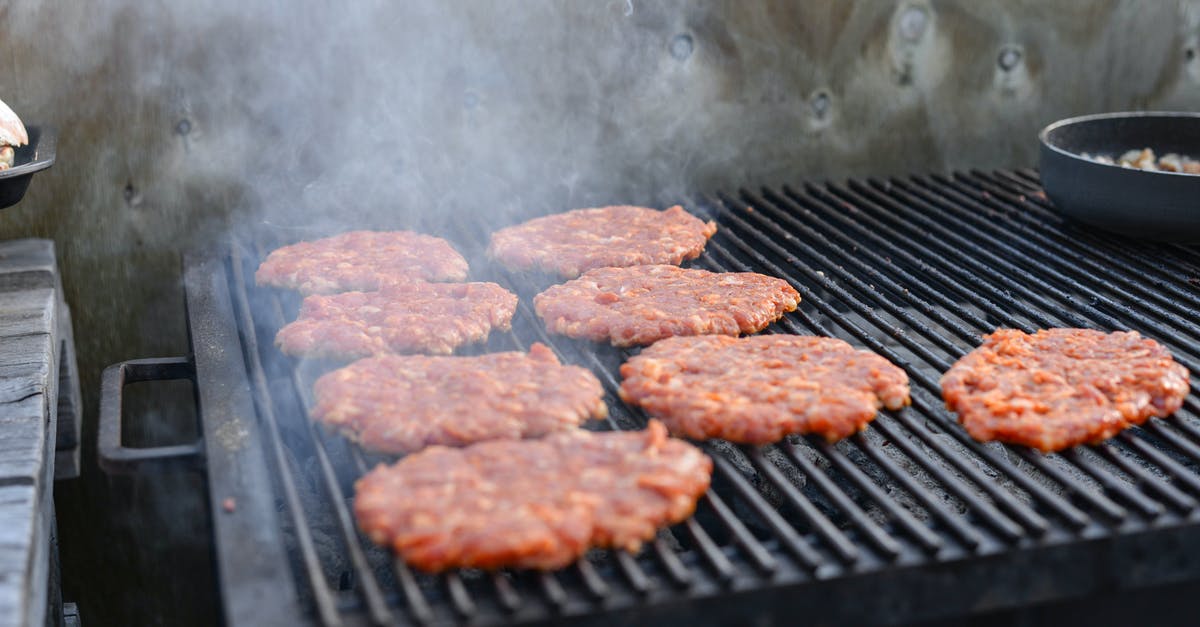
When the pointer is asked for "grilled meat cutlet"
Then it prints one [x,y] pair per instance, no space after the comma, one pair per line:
[531,503]
[420,317]
[568,244]
[756,390]
[642,304]
[400,404]
[361,261]
[1061,387]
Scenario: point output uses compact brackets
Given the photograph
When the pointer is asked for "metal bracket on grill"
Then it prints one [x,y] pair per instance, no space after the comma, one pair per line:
[113,456]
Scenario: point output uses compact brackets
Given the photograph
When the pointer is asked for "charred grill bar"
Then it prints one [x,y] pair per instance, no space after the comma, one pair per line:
[908,520]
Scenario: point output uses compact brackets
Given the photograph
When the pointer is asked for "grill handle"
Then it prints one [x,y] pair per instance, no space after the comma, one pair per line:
[113,456]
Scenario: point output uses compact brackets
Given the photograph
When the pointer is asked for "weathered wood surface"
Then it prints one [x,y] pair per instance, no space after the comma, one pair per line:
[70,401]
[35,364]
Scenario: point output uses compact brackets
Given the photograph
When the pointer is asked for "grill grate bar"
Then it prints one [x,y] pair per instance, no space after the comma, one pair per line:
[510,600]
[1089,256]
[928,540]
[858,306]
[553,590]
[950,199]
[1041,463]
[825,214]
[835,288]
[784,531]
[368,586]
[841,545]
[1098,501]
[322,595]
[920,375]
[710,551]
[459,597]
[886,207]
[418,606]
[1181,259]
[1047,263]
[1141,476]
[772,205]
[1163,431]
[631,570]
[821,257]
[877,536]
[592,580]
[916,270]
[679,573]
[969,537]
[985,510]
[1143,504]
[1110,279]
[761,556]
[633,573]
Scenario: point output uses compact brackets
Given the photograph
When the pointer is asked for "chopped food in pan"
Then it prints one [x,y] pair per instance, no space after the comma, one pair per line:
[400,404]
[1145,159]
[642,304]
[1061,387]
[12,136]
[415,317]
[361,260]
[756,390]
[568,244]
[537,504]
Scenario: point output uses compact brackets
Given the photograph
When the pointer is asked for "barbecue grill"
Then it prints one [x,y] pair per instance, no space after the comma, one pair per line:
[909,520]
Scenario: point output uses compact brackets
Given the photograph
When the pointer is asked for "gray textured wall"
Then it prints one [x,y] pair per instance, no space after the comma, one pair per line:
[175,117]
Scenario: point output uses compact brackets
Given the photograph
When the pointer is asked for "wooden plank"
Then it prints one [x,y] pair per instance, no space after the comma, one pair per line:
[35,345]
[70,404]
[23,432]
[17,533]
[27,264]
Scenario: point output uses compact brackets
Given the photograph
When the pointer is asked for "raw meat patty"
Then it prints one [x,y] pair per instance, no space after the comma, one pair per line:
[361,260]
[1061,387]
[568,244]
[400,404]
[642,304]
[756,390]
[531,503]
[418,317]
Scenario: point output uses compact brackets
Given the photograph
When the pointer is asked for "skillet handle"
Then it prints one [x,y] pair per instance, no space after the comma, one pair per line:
[113,456]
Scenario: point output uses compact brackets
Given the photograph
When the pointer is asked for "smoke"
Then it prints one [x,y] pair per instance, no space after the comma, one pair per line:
[382,115]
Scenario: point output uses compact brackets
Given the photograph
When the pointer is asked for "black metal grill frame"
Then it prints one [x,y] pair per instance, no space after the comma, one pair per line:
[908,520]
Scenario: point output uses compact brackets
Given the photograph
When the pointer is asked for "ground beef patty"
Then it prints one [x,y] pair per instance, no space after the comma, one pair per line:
[417,317]
[574,242]
[642,304]
[400,404]
[531,503]
[361,260]
[756,390]
[1061,387]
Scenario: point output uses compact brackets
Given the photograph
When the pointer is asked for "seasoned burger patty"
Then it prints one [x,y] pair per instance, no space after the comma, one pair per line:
[756,390]
[361,260]
[400,404]
[417,317]
[574,242]
[531,503]
[1061,387]
[642,304]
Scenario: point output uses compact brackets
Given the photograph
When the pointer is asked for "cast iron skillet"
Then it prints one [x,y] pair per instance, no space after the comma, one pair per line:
[1152,205]
[35,156]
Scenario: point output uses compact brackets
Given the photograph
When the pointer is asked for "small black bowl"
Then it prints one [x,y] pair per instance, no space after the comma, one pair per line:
[1162,206]
[35,156]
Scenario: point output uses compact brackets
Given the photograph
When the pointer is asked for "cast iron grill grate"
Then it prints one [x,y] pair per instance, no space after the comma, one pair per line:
[910,519]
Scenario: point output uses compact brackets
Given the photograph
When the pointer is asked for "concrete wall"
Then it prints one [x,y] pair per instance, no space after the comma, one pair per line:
[181,120]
